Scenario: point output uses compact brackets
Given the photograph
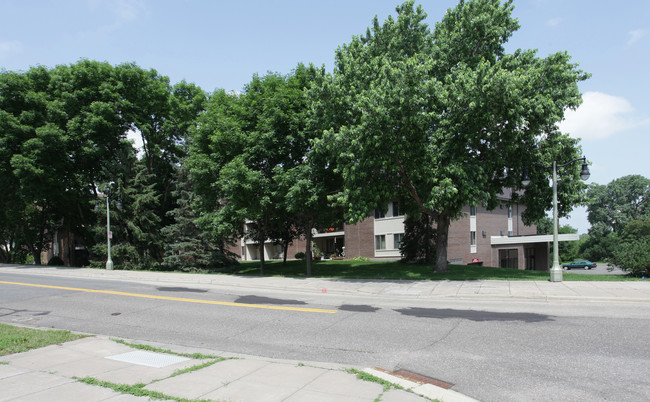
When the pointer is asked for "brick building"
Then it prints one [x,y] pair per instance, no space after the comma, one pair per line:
[496,238]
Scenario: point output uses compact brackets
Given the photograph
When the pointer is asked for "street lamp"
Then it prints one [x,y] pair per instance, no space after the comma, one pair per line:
[556,269]
[109,234]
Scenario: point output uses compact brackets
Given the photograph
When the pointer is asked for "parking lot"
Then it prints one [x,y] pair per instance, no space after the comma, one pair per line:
[602,269]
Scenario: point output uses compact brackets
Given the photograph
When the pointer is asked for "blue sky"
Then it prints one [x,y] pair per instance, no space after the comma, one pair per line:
[219,44]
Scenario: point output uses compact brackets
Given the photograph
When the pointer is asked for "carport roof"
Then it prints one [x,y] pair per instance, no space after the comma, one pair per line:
[545,238]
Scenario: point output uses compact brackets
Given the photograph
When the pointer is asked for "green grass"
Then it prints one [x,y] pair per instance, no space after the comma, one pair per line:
[346,269]
[136,390]
[362,375]
[21,339]
[169,352]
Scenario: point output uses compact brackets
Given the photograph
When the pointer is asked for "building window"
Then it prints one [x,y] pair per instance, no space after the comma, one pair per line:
[396,209]
[509,233]
[380,242]
[472,238]
[510,212]
[397,239]
[379,214]
[472,211]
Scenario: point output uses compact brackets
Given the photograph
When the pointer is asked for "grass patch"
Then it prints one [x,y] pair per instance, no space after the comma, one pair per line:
[395,270]
[21,339]
[135,390]
[169,352]
[197,367]
[362,375]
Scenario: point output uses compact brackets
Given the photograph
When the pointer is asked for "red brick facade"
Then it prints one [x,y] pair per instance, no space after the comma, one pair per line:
[501,223]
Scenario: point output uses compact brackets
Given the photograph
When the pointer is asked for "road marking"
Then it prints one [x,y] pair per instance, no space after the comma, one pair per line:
[182,299]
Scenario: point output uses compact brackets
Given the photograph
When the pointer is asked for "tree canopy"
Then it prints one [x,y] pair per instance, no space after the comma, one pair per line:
[444,118]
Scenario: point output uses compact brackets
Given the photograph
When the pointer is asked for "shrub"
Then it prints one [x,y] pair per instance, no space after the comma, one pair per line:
[360,258]
[300,255]
[634,257]
[56,261]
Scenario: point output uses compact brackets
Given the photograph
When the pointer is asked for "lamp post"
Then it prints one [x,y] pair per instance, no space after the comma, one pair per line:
[109,262]
[556,269]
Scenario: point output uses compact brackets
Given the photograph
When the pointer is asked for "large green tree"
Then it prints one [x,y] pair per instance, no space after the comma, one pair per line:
[445,118]
[620,201]
[243,149]
[63,132]
[609,210]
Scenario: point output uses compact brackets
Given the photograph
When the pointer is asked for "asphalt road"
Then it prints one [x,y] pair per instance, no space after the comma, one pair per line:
[491,350]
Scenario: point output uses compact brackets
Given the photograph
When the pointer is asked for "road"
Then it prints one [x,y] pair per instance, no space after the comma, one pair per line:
[491,350]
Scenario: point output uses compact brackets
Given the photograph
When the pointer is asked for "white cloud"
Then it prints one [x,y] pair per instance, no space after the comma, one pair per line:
[636,36]
[9,47]
[600,116]
[554,22]
[126,10]
[121,11]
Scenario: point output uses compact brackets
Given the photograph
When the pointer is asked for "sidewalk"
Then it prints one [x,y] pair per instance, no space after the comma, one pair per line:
[628,291]
[53,373]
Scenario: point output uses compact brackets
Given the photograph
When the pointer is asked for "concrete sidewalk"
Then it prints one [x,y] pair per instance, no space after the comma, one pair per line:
[55,373]
[628,291]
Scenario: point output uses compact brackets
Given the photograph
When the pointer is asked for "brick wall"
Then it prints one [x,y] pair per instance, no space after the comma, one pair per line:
[360,239]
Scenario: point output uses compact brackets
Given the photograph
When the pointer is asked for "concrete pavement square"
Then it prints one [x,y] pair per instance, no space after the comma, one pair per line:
[10,371]
[201,382]
[89,367]
[97,346]
[247,389]
[286,374]
[44,358]
[316,396]
[344,384]
[72,391]
[399,395]
[15,386]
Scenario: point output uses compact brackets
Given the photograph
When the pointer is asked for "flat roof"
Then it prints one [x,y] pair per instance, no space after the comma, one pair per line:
[545,238]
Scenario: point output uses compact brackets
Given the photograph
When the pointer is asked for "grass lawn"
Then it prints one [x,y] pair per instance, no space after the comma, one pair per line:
[21,339]
[347,269]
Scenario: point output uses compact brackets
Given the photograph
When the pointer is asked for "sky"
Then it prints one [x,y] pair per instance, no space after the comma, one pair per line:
[222,44]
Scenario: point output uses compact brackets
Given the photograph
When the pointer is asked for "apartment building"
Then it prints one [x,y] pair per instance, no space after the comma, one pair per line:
[496,238]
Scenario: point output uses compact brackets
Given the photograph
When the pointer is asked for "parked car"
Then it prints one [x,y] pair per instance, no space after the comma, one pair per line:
[584,264]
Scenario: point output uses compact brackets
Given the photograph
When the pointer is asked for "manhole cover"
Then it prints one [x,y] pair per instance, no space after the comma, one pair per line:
[415,377]
[150,359]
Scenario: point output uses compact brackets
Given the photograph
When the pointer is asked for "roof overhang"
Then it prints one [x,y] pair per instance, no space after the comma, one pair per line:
[329,234]
[545,238]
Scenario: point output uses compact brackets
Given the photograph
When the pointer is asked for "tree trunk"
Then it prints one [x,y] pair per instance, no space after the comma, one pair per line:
[428,244]
[308,256]
[260,243]
[37,256]
[442,228]
[286,249]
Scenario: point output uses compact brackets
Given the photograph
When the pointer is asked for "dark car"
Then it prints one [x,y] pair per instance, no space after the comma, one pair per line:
[584,264]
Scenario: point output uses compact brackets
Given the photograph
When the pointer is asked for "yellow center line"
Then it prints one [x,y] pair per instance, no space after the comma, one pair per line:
[182,299]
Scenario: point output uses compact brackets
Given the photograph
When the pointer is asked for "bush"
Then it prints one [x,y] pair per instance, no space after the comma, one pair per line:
[360,258]
[56,261]
[300,255]
[634,257]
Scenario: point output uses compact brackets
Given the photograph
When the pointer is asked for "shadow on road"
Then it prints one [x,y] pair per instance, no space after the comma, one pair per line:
[473,315]
[359,308]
